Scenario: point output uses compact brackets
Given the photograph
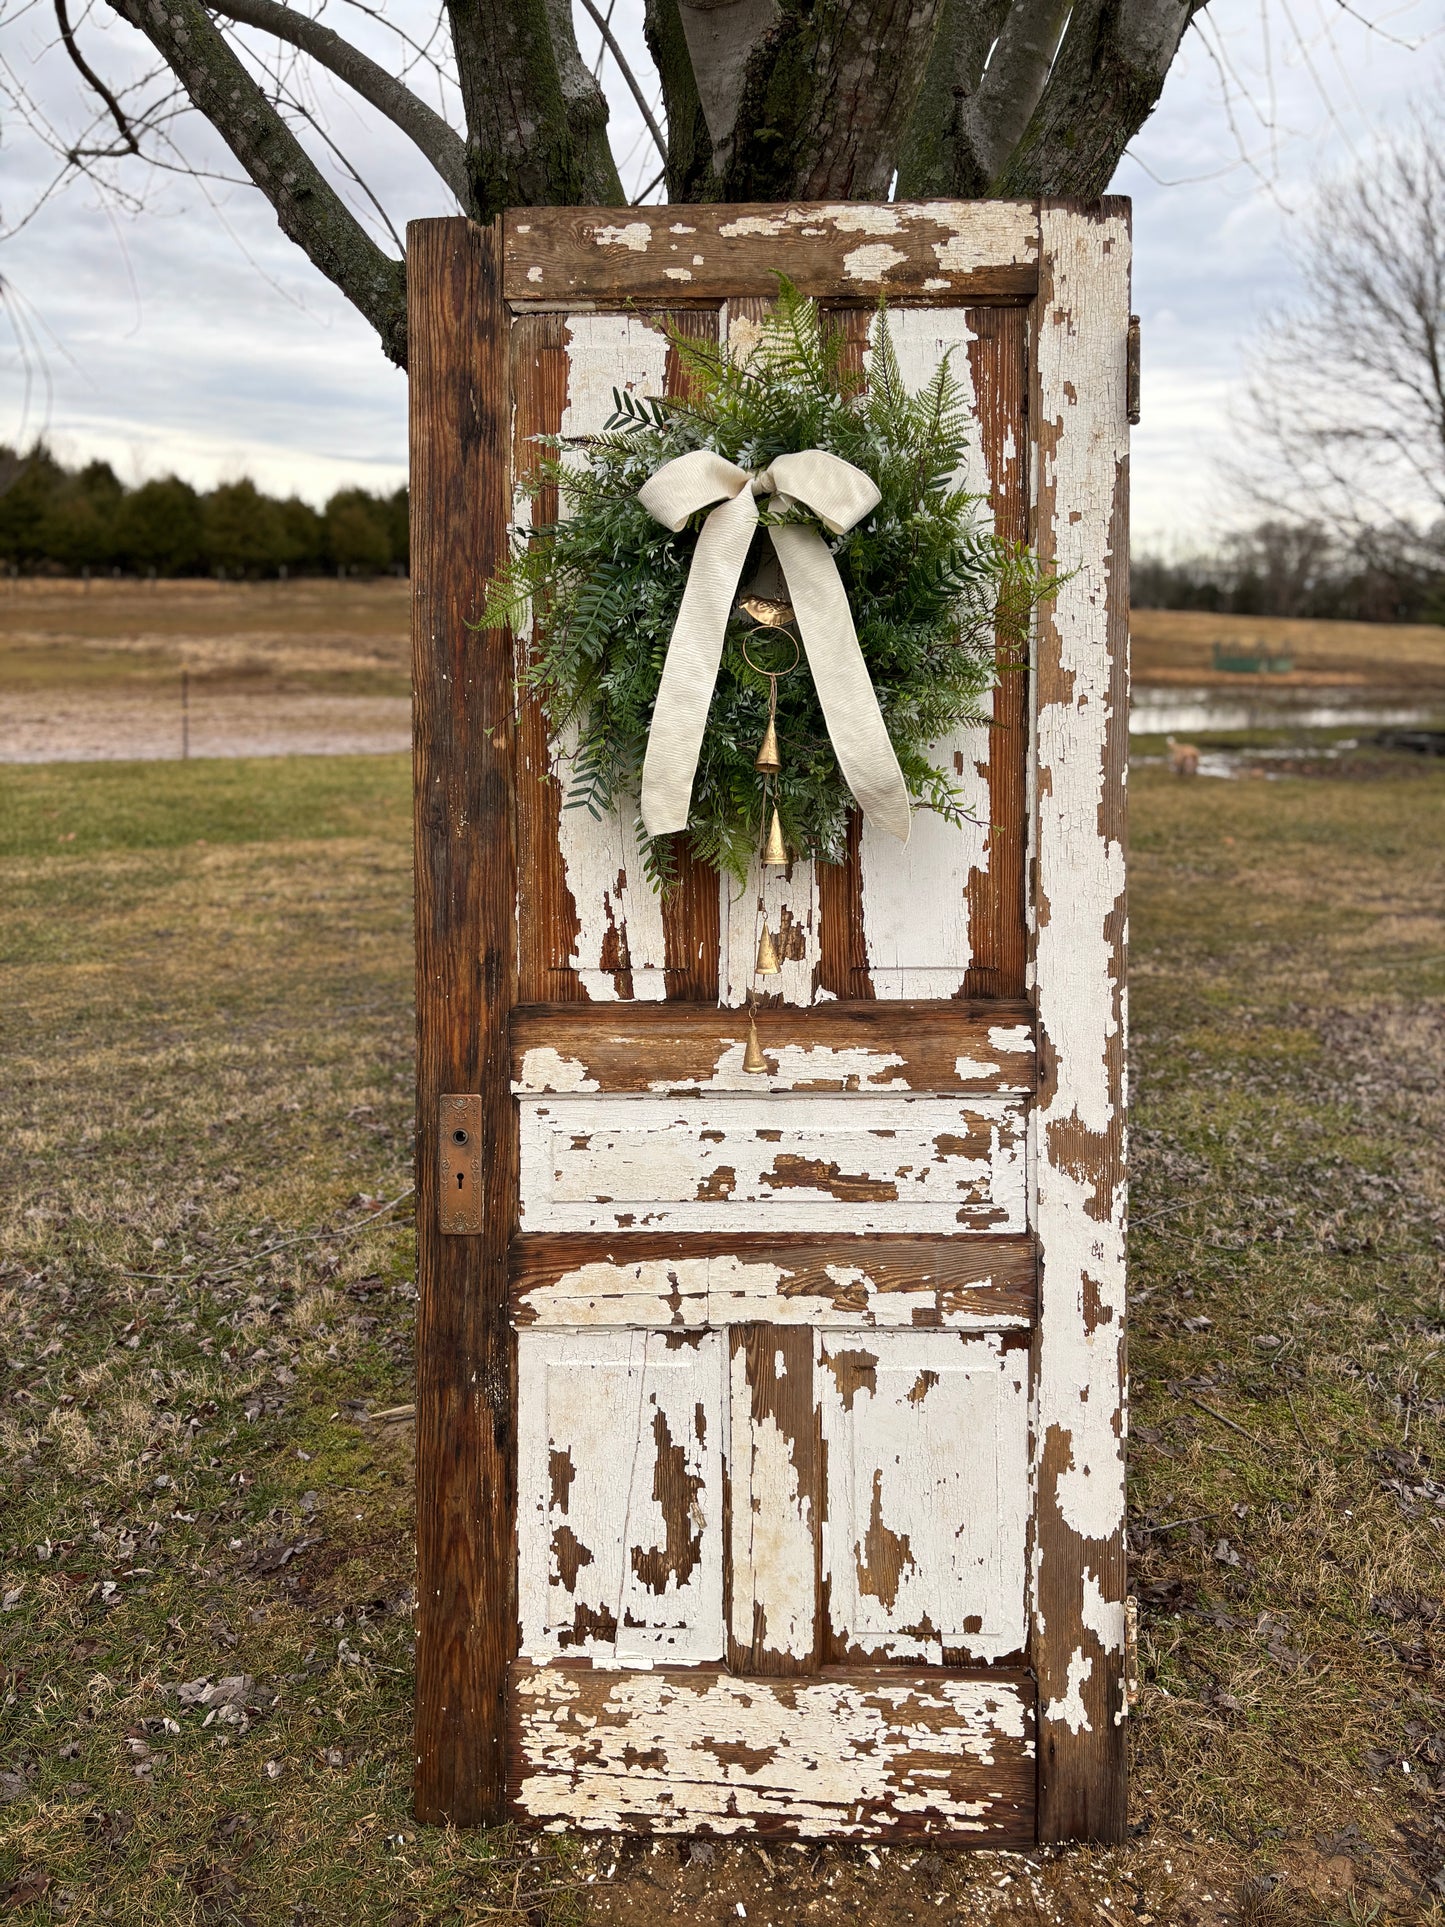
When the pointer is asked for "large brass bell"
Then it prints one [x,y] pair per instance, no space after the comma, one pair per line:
[768,964]
[768,762]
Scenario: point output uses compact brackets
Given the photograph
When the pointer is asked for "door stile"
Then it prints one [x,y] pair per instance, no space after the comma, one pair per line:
[1080,424]
[464,777]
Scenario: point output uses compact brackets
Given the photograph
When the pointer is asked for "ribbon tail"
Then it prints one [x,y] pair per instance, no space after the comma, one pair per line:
[845,689]
[684,695]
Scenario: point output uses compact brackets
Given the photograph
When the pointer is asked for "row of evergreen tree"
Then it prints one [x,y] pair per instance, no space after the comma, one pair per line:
[75,520]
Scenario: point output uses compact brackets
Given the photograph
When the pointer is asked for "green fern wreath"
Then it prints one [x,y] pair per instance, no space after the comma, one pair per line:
[930,585]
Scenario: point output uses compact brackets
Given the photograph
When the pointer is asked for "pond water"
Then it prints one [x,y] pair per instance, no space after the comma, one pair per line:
[1184,711]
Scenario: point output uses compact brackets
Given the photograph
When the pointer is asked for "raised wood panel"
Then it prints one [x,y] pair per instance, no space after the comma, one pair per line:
[663,1280]
[619,1463]
[878,1753]
[927,1494]
[834,1047]
[733,1163]
[592,927]
[935,250]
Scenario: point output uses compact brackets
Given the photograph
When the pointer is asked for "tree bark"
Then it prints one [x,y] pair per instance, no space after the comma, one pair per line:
[938,160]
[690,175]
[536,119]
[826,98]
[311,213]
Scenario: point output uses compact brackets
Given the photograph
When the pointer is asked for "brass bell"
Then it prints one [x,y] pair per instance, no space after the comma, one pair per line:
[768,760]
[775,851]
[753,1059]
[768,965]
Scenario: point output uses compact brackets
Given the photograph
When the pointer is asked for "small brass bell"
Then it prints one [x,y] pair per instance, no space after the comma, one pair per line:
[753,1059]
[768,760]
[775,851]
[768,965]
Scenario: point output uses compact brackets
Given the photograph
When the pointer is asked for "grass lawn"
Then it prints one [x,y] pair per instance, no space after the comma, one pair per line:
[205,1298]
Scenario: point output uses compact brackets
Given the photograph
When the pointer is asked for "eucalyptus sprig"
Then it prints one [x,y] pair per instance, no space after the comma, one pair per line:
[932,588]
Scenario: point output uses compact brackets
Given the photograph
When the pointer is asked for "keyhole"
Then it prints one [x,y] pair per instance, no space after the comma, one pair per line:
[459,1136]
[461,1179]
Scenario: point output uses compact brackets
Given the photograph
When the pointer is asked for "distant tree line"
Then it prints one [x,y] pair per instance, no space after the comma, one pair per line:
[1281,568]
[55,519]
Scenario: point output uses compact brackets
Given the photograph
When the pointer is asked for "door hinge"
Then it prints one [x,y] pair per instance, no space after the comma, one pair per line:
[1131,370]
[459,1148]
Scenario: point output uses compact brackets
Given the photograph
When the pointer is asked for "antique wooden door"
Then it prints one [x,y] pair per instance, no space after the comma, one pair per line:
[770,1429]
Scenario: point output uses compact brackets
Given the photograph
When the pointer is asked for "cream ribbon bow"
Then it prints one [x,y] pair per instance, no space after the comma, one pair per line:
[839,495]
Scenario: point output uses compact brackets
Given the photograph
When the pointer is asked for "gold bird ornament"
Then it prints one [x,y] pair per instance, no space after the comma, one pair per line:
[764,611]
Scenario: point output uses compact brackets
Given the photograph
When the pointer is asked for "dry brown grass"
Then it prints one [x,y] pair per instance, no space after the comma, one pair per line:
[206,1087]
[1176,645]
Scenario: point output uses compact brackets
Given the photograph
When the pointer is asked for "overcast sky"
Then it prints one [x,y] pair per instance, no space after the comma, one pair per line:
[187,334]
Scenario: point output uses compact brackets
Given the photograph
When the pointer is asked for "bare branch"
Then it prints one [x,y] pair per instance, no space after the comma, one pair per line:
[424,127]
[88,74]
[609,40]
[310,211]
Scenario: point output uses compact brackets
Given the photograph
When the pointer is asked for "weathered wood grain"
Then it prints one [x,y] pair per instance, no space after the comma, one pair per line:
[1080,411]
[620,1527]
[465,985]
[926,1437]
[936,250]
[649,1279]
[775,1486]
[882,1753]
[832,1047]
[734,1163]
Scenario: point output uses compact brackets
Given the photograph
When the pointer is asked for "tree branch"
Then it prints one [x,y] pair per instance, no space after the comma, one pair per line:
[938,159]
[609,40]
[1105,83]
[1013,80]
[93,79]
[536,118]
[427,131]
[689,174]
[310,211]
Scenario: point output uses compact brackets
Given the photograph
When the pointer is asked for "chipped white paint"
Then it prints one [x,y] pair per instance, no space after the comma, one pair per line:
[984,235]
[771,1558]
[1078,920]
[725,1163]
[797,1066]
[927,1437]
[790,910]
[678,1752]
[752,224]
[915,900]
[1083,449]
[619,913]
[546,1069]
[869,264]
[1103,1617]
[1012,1038]
[678,274]
[864,217]
[534,274]
[619,1529]
[635,236]
[1069,1709]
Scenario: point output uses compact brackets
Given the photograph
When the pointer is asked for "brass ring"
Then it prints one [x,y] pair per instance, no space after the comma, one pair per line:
[772,635]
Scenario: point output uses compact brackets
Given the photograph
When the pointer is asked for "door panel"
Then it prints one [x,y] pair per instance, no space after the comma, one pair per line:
[738,1163]
[620,1514]
[926,1437]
